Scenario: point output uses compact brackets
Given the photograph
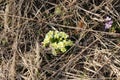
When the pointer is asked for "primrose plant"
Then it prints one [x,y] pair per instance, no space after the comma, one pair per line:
[57,41]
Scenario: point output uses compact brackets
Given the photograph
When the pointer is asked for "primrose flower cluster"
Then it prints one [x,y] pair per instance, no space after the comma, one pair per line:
[58,41]
[109,22]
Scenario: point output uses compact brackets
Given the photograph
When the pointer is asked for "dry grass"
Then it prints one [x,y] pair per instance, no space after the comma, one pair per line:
[95,54]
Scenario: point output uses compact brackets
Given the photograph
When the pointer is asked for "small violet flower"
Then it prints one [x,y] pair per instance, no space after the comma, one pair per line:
[108,23]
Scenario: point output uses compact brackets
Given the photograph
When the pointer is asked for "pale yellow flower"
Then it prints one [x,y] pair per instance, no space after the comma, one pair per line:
[58,41]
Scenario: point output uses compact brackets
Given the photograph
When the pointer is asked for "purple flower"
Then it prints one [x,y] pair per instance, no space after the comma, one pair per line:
[108,23]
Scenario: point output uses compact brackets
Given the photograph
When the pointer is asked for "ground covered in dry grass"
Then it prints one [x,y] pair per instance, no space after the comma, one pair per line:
[95,54]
